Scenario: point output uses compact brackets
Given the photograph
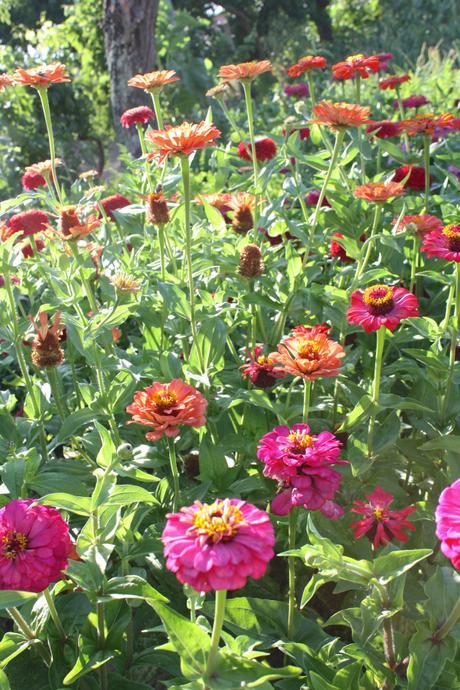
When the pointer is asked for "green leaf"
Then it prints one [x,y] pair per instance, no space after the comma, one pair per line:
[175,300]
[214,216]
[361,411]
[80,505]
[318,683]
[125,494]
[117,682]
[72,424]
[313,584]
[131,587]
[234,672]
[448,442]
[4,682]
[108,451]
[394,564]
[10,598]
[427,659]
[87,662]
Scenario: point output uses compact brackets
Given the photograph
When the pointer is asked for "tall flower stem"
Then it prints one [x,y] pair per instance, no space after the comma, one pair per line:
[103,680]
[367,247]
[86,284]
[59,398]
[453,342]
[402,115]
[140,132]
[157,108]
[219,612]
[54,615]
[426,163]
[43,93]
[376,383]
[174,474]
[27,631]
[334,157]
[291,573]
[161,242]
[360,135]
[306,399]
[185,167]
[255,167]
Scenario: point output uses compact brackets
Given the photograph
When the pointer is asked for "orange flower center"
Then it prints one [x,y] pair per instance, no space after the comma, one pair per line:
[13,544]
[309,349]
[379,299]
[300,441]
[264,360]
[452,232]
[219,521]
[354,58]
[164,400]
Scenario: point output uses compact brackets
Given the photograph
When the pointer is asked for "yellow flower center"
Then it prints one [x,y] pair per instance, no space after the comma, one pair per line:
[219,521]
[164,400]
[264,360]
[452,232]
[352,58]
[379,298]
[378,513]
[300,441]
[308,349]
[13,543]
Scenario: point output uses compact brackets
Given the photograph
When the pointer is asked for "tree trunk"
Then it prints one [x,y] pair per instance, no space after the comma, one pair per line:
[321,17]
[129,36]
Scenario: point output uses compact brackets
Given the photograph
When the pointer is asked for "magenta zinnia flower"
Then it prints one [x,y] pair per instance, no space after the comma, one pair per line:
[261,369]
[448,522]
[381,305]
[381,524]
[34,546]
[443,243]
[302,462]
[218,546]
[140,115]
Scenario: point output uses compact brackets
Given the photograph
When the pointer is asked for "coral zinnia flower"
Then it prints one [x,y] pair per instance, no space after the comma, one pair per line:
[380,524]
[113,203]
[302,462]
[420,224]
[218,546]
[265,149]
[448,523]
[46,350]
[305,64]
[72,227]
[28,222]
[337,115]
[34,546]
[166,406]
[261,369]
[381,305]
[356,65]
[183,139]
[309,355]
[140,115]
[244,71]
[41,76]
[384,129]
[443,243]
[426,123]
[378,191]
[393,82]
[415,179]
[153,81]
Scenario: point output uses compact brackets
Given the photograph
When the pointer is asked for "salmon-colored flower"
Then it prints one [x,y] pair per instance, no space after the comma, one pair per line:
[309,355]
[381,305]
[244,71]
[338,115]
[71,225]
[182,140]
[305,64]
[356,65]
[154,81]
[46,348]
[420,224]
[378,191]
[43,167]
[164,407]
[380,524]
[393,82]
[220,200]
[443,243]
[426,123]
[41,76]
[5,80]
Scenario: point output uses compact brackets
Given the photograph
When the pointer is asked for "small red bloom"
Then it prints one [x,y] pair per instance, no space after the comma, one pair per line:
[133,116]
[356,65]
[304,133]
[393,82]
[261,369]
[113,203]
[311,199]
[28,222]
[413,102]
[443,243]
[416,179]
[380,524]
[265,149]
[305,64]
[297,90]
[337,251]
[31,181]
[381,305]
[384,129]
[28,249]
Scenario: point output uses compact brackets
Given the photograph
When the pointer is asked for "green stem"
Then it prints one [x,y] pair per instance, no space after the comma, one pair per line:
[450,298]
[87,287]
[27,631]
[161,241]
[367,247]
[453,342]
[59,398]
[140,131]
[376,382]
[185,167]
[174,474]
[54,615]
[219,612]
[43,93]
[157,108]
[426,161]
[101,639]
[291,573]
[249,111]
[402,115]
[451,620]
[306,399]
[414,261]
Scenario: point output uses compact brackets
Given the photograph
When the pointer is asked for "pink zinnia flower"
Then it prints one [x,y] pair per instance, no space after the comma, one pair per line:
[140,115]
[297,90]
[34,546]
[448,522]
[413,102]
[261,369]
[166,406]
[381,524]
[265,149]
[28,222]
[420,224]
[309,353]
[311,199]
[443,243]
[302,463]
[381,305]
[218,546]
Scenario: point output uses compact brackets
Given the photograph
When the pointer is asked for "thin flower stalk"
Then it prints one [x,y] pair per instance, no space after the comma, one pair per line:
[376,384]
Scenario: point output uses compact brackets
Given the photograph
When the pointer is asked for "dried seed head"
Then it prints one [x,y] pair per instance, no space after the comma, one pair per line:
[251,262]
[157,209]
[46,349]
[122,282]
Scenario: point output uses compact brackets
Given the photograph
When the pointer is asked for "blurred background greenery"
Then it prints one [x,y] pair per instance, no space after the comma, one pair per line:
[194,37]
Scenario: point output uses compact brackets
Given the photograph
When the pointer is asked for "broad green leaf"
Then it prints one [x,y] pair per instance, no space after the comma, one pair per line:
[427,659]
[449,442]
[394,564]
[10,598]
[4,682]
[131,587]
[80,505]
[361,411]
[72,424]
[108,451]
[125,494]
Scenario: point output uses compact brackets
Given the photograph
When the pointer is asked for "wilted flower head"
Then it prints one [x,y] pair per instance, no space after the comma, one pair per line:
[46,348]
[88,174]
[114,203]
[242,205]
[72,226]
[182,140]
[265,149]
[338,115]
[134,116]
[356,65]
[380,524]
[122,282]
[164,407]
[34,546]
[384,129]
[218,90]
[218,546]
[28,222]
[244,71]
[448,523]
[305,64]
[41,76]
[157,209]
[443,243]
[381,305]
[261,369]
[415,176]
[420,224]
[44,168]
[393,82]
[378,191]
[154,81]
[251,261]
[309,354]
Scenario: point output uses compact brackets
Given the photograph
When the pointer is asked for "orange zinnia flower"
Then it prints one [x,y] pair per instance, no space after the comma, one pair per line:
[41,76]
[305,64]
[244,71]
[5,80]
[308,355]
[153,81]
[183,139]
[72,227]
[356,65]
[379,191]
[393,82]
[426,123]
[337,115]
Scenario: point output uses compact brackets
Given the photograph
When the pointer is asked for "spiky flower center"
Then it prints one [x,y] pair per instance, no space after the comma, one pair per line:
[125,283]
[13,544]
[218,521]
[300,441]
[452,233]
[309,349]
[164,400]
[379,299]
[264,361]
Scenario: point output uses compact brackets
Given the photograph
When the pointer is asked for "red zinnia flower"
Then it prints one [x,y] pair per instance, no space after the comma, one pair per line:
[183,139]
[72,226]
[443,243]
[420,224]
[113,203]
[140,115]
[31,181]
[311,199]
[356,65]
[337,115]
[28,249]
[304,133]
[265,149]
[309,354]
[416,179]
[305,64]
[244,71]
[41,76]
[380,524]
[381,305]
[384,129]
[261,369]
[393,82]
[378,191]
[166,406]
[338,252]
[28,222]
